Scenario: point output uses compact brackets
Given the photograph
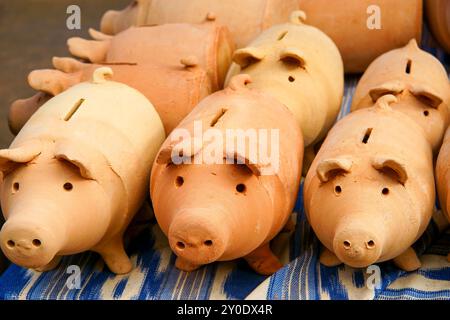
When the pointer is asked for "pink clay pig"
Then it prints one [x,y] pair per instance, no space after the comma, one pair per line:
[217,212]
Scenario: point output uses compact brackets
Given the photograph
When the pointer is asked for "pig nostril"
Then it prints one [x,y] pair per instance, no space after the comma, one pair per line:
[11,243]
[179,181]
[208,243]
[370,244]
[291,79]
[68,186]
[347,244]
[36,242]
[241,188]
[181,245]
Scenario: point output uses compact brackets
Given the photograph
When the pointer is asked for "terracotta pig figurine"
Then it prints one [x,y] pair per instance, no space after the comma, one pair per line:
[245,19]
[77,173]
[443,177]
[438,14]
[302,68]
[420,83]
[369,194]
[209,45]
[364,29]
[216,211]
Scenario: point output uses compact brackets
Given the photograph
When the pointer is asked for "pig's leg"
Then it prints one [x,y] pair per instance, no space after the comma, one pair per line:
[185,265]
[115,256]
[51,265]
[329,259]
[408,260]
[264,261]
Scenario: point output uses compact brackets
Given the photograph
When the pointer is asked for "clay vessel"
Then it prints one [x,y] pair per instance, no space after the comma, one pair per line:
[245,19]
[77,173]
[420,83]
[207,45]
[438,15]
[369,194]
[302,68]
[212,210]
[364,29]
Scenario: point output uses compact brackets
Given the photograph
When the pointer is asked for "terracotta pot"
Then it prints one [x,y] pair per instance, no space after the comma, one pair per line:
[369,194]
[213,211]
[173,91]
[351,25]
[245,19]
[420,83]
[302,68]
[77,173]
[207,45]
[443,176]
[438,15]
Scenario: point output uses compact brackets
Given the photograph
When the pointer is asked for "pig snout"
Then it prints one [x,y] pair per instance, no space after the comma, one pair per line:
[200,238]
[28,244]
[357,247]
[108,21]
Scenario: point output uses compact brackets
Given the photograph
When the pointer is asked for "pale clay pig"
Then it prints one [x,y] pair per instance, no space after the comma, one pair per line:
[443,177]
[364,29]
[301,67]
[245,19]
[369,194]
[77,173]
[219,212]
[420,83]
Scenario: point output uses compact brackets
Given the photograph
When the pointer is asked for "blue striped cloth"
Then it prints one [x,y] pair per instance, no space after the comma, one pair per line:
[155,275]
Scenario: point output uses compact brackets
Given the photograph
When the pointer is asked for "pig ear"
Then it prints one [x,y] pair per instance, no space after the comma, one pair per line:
[426,95]
[393,167]
[293,57]
[90,163]
[92,50]
[392,87]
[329,168]
[11,158]
[187,148]
[257,168]
[248,56]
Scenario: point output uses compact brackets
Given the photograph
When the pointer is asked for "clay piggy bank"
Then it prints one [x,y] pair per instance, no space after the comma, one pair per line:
[173,91]
[369,193]
[420,83]
[438,14]
[209,45]
[364,29]
[77,173]
[301,67]
[245,19]
[217,209]
[443,177]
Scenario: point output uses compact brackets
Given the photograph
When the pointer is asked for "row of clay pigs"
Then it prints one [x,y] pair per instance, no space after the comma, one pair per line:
[193,234]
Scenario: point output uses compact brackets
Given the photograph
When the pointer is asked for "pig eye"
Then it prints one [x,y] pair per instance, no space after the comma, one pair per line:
[241,188]
[291,79]
[385,191]
[68,186]
[179,181]
[338,189]
[134,4]
[426,113]
[15,187]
